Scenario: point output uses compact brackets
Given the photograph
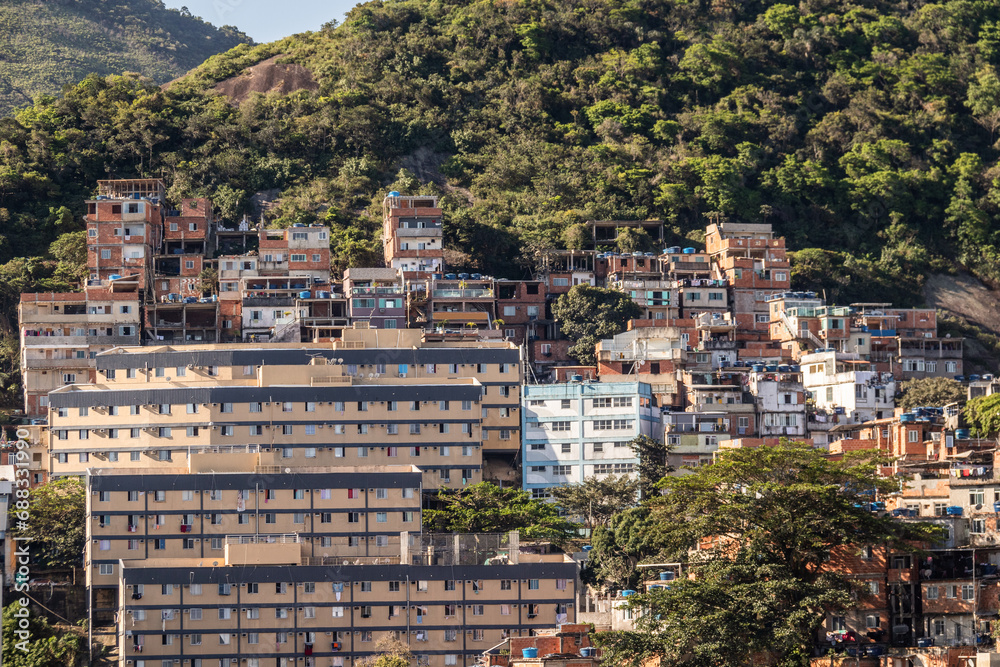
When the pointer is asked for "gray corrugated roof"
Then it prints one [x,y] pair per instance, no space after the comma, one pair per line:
[300,356]
[224,394]
[141,574]
[247,480]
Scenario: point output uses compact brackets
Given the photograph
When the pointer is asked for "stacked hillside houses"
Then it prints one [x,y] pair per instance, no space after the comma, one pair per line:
[256,432]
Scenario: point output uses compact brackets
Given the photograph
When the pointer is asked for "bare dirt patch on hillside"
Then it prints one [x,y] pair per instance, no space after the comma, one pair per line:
[965,296]
[267,76]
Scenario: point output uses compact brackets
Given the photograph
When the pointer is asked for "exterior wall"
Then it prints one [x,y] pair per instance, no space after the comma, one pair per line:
[453,613]
[863,395]
[161,425]
[122,236]
[60,333]
[298,251]
[412,234]
[568,437]
[138,516]
[781,405]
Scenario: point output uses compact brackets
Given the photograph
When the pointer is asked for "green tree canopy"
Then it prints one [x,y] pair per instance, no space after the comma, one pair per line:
[632,239]
[46,648]
[653,463]
[389,652]
[982,414]
[488,508]
[70,251]
[631,536]
[57,523]
[588,314]
[597,499]
[774,516]
[930,392]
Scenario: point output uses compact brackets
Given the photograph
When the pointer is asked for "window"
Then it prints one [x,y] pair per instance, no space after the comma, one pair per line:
[939,626]
[978,526]
[977,497]
[532,584]
[968,592]
[560,426]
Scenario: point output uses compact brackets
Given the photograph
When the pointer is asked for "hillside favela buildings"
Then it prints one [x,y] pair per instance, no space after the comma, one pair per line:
[260,436]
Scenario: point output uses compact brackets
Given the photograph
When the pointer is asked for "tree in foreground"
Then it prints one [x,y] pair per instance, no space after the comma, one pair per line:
[46,648]
[389,652]
[653,463]
[982,414]
[597,499]
[57,520]
[764,520]
[930,392]
[488,508]
[588,314]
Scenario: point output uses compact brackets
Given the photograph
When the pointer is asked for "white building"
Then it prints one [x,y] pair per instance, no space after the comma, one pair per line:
[848,385]
[574,430]
[781,403]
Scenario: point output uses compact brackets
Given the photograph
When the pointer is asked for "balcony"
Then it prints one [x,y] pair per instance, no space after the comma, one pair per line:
[717,344]
[59,341]
[690,266]
[268,301]
[59,363]
[462,293]
[372,291]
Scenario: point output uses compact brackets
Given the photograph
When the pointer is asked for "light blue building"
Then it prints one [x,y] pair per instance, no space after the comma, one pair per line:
[574,430]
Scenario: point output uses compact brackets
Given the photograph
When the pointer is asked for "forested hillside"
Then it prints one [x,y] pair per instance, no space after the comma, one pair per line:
[45,44]
[865,132]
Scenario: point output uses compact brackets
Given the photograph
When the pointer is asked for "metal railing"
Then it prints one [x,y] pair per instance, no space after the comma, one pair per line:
[462,293]
[282,538]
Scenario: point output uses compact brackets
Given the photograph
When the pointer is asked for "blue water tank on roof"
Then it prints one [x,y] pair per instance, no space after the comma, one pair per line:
[394,194]
[689,251]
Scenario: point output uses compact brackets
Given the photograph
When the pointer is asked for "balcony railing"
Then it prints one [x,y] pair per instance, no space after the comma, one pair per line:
[462,293]
[376,290]
[285,538]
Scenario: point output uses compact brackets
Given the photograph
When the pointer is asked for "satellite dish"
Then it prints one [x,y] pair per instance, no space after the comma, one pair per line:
[288,470]
[215,563]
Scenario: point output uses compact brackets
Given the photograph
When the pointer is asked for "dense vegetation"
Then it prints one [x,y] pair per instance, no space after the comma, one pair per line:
[56,42]
[763,530]
[865,132]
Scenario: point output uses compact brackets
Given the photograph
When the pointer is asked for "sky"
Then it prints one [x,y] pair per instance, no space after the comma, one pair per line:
[267,20]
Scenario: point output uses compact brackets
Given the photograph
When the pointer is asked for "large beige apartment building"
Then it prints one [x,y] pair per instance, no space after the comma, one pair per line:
[449,597]
[61,334]
[228,560]
[373,398]
[192,511]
